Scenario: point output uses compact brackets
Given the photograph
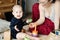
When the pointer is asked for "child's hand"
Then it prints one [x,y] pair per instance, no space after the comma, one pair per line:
[16,28]
[31,25]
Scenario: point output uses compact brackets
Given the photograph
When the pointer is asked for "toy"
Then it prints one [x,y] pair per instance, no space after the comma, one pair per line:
[26,38]
[23,30]
[35,32]
[57,32]
[29,20]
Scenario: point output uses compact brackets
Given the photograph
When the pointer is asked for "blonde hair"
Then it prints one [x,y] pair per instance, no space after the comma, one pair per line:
[16,6]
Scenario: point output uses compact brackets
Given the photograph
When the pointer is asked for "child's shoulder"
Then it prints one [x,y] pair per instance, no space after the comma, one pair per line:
[13,19]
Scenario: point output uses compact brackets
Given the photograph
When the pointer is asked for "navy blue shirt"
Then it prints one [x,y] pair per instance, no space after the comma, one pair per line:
[19,24]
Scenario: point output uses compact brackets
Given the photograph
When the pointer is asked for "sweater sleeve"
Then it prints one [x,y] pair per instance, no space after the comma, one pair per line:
[12,24]
[38,14]
[35,12]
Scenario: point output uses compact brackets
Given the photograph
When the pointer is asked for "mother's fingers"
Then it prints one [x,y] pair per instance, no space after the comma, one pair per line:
[31,25]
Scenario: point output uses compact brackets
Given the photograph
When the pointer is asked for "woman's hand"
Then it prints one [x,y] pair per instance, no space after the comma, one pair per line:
[32,25]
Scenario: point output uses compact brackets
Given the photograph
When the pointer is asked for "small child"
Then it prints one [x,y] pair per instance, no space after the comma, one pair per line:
[16,22]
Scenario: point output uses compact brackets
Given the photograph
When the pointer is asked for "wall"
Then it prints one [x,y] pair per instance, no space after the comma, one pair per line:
[29,4]
[2,16]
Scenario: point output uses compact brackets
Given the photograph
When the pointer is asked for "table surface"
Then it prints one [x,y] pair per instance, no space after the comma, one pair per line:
[51,36]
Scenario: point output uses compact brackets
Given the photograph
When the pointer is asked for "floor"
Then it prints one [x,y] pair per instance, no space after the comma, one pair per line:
[51,36]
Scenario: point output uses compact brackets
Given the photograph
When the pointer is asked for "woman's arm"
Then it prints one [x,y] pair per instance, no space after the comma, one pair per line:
[56,15]
[42,15]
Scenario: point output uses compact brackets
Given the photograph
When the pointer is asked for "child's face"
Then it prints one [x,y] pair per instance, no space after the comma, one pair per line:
[18,13]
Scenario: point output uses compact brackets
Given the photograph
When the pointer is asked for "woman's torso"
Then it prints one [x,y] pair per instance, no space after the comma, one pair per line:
[51,14]
[36,13]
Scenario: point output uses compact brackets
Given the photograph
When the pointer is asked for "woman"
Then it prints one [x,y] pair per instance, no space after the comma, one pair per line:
[43,15]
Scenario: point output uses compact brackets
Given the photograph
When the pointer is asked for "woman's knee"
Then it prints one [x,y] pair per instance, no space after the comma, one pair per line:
[20,35]
[17,36]
[44,30]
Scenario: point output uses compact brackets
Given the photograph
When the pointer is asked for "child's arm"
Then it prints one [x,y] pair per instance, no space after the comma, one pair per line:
[27,21]
[24,22]
[16,28]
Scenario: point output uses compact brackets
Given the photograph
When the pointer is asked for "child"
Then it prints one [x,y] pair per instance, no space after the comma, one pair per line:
[16,22]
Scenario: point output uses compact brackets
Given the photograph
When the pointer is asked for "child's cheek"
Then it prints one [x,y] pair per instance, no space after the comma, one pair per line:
[21,14]
[15,15]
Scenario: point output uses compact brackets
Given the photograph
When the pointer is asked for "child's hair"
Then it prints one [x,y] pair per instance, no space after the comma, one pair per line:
[52,1]
[16,6]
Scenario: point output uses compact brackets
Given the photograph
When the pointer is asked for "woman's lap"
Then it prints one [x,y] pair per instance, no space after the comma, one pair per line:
[45,28]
